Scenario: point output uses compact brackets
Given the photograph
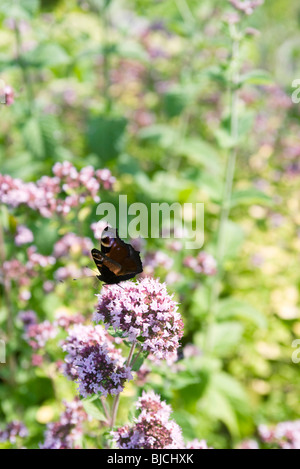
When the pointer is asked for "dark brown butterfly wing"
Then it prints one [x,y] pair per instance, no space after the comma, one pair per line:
[117,261]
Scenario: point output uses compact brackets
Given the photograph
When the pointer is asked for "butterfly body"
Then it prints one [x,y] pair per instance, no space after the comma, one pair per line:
[117,261]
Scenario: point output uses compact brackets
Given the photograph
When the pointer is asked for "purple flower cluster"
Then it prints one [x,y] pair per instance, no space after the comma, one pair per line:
[13,430]
[153,428]
[203,263]
[285,435]
[94,362]
[28,318]
[44,195]
[143,311]
[66,433]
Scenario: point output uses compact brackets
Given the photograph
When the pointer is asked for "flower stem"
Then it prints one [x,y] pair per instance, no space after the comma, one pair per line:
[105,408]
[226,199]
[117,398]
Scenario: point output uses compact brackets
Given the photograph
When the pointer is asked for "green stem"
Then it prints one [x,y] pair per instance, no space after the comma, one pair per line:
[9,310]
[226,199]
[117,398]
[24,69]
[105,408]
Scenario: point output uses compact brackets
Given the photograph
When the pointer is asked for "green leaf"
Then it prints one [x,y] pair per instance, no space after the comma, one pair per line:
[201,153]
[256,77]
[138,363]
[47,55]
[162,135]
[131,50]
[250,196]
[218,407]
[225,336]
[33,138]
[24,9]
[233,237]
[234,308]
[106,136]
[176,99]
[93,407]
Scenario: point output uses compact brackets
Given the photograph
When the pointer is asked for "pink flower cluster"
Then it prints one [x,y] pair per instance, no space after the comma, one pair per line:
[13,430]
[66,433]
[156,259]
[153,428]
[72,242]
[143,311]
[9,95]
[23,235]
[38,335]
[196,444]
[65,321]
[98,227]
[44,195]
[94,362]
[246,6]
[15,270]
[285,435]
[203,263]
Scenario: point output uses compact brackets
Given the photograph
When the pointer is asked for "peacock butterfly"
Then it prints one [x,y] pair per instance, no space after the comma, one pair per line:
[117,261]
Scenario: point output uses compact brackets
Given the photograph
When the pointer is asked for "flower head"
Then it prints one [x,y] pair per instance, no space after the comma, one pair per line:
[65,433]
[13,430]
[143,311]
[153,428]
[94,362]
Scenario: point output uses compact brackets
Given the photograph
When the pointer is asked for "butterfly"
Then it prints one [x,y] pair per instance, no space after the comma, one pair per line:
[117,261]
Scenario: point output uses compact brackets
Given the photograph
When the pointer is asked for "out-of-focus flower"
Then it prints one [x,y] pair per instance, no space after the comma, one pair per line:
[153,260]
[24,295]
[36,259]
[28,318]
[203,263]
[285,435]
[38,335]
[191,350]
[13,430]
[36,360]
[141,375]
[246,6]
[9,95]
[44,195]
[66,433]
[98,228]
[72,243]
[48,286]
[94,362]
[23,236]
[65,321]
[248,444]
[143,311]
[153,429]
[196,444]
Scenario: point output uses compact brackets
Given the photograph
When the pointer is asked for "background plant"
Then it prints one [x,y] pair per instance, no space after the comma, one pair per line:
[170,97]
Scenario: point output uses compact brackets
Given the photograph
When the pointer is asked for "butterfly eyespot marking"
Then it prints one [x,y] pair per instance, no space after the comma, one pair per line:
[106,241]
